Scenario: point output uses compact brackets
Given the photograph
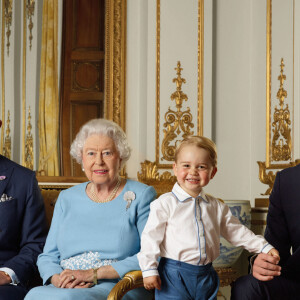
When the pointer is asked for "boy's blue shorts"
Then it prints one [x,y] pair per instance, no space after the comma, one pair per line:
[184,281]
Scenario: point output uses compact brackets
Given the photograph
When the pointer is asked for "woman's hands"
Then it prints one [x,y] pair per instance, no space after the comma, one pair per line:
[82,278]
[73,279]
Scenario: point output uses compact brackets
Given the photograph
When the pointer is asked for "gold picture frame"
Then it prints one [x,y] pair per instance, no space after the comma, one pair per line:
[115,61]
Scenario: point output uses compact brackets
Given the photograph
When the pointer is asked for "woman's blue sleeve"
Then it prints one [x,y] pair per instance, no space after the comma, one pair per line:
[131,263]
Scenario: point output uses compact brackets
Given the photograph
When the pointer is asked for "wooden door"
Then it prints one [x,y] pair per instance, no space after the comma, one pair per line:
[82,76]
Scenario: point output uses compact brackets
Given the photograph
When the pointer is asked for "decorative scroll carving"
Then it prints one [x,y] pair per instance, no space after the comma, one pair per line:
[281,147]
[8,20]
[177,122]
[227,275]
[281,142]
[266,178]
[162,183]
[7,142]
[269,178]
[150,172]
[30,13]
[29,144]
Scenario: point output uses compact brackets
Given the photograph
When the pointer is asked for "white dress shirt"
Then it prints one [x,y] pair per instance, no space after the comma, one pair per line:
[188,229]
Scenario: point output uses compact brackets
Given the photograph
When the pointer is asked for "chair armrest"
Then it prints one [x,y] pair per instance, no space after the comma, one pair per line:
[131,280]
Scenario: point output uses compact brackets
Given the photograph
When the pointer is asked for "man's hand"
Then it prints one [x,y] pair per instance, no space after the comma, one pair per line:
[4,279]
[265,266]
[152,282]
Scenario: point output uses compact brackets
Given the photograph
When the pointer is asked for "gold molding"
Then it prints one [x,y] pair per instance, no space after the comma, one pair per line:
[29,155]
[115,61]
[268,177]
[281,140]
[269,159]
[24,84]
[30,13]
[2,73]
[268,75]
[8,19]
[200,65]
[200,78]
[7,143]
[157,146]
[177,123]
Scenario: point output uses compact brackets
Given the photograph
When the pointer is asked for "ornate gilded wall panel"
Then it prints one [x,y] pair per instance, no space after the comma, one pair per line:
[165,153]
[183,116]
[279,92]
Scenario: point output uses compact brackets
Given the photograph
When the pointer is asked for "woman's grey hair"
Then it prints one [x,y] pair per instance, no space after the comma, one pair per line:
[101,127]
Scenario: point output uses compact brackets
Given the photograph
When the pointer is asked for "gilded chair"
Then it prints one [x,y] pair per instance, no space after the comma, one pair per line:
[130,281]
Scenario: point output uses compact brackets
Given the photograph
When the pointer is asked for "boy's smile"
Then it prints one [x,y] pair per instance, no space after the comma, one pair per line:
[193,169]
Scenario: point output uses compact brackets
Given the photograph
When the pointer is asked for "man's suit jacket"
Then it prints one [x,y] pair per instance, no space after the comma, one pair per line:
[283,220]
[22,220]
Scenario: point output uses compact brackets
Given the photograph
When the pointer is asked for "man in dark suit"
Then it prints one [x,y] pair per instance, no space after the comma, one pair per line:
[22,228]
[270,280]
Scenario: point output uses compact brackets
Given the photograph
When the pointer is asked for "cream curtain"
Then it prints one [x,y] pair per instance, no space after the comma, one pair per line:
[48,95]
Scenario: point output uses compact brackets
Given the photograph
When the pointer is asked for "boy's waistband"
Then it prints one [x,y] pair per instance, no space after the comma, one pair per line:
[185,266]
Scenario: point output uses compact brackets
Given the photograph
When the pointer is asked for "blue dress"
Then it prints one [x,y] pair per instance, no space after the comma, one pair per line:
[81,226]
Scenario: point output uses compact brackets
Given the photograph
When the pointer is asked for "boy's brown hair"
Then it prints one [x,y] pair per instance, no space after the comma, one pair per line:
[200,142]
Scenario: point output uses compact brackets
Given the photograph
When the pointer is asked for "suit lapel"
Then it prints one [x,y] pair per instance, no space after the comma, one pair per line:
[5,170]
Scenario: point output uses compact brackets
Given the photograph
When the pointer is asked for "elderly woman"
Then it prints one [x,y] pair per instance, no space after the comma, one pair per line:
[96,226]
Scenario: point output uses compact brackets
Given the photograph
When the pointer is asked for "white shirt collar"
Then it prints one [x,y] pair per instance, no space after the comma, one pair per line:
[182,195]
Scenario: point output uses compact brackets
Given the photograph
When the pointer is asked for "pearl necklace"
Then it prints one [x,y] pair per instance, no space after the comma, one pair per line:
[109,198]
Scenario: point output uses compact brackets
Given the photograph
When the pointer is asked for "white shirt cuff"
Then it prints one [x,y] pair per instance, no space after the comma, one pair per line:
[151,272]
[12,274]
[266,248]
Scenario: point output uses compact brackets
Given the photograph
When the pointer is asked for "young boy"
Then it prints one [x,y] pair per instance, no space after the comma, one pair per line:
[184,228]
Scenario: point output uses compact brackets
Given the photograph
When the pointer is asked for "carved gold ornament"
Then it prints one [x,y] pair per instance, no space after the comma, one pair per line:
[279,146]
[8,20]
[30,13]
[281,141]
[178,123]
[29,144]
[7,142]
[150,175]
[158,146]
[115,45]
[266,178]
